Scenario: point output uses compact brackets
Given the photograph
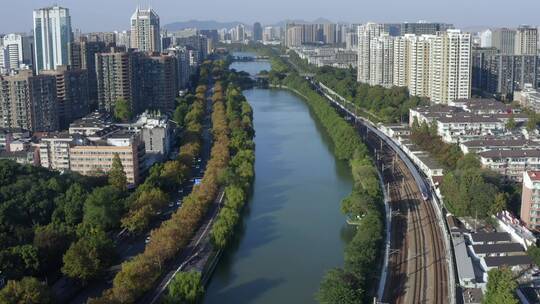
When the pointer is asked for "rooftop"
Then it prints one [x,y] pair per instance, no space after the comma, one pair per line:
[490,237]
[510,153]
[514,260]
[463,261]
[93,120]
[56,135]
[499,143]
[469,119]
[429,161]
[498,248]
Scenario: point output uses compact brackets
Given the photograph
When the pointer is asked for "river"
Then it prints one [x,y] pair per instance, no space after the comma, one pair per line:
[292,230]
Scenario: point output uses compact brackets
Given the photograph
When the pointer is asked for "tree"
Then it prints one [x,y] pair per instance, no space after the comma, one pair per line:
[180,112]
[532,122]
[468,161]
[87,258]
[339,286]
[117,175]
[70,206]
[356,204]
[139,220]
[20,260]
[511,123]
[102,209]
[122,110]
[144,208]
[137,276]
[534,253]
[26,291]
[500,287]
[500,202]
[52,242]
[185,288]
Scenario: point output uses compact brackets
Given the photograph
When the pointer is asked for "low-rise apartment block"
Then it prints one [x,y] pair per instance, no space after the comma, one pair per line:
[328,56]
[528,98]
[467,119]
[511,163]
[493,143]
[96,157]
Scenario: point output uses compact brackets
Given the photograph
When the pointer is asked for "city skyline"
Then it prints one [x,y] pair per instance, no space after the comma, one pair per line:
[19,16]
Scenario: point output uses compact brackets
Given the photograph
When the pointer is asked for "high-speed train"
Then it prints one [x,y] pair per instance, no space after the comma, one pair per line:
[372,128]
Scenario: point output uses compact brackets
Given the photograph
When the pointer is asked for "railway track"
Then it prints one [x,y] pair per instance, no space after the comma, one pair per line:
[415,226]
[417,268]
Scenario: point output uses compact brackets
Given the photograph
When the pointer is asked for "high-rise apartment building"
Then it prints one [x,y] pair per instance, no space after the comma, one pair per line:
[159,86]
[486,38]
[19,51]
[197,43]
[240,33]
[28,102]
[509,73]
[351,40]
[183,68]
[366,33]
[530,199]
[123,38]
[526,40]
[82,55]
[71,92]
[499,75]
[257,32]
[381,60]
[294,35]
[435,66]
[450,66]
[504,39]
[314,33]
[145,35]
[401,60]
[424,28]
[419,64]
[144,81]
[109,38]
[4,60]
[52,35]
[330,33]
[119,77]
[481,61]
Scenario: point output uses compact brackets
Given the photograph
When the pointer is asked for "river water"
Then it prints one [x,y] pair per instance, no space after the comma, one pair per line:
[292,230]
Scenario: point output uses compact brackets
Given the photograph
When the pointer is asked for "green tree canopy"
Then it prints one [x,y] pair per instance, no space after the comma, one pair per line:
[26,291]
[103,208]
[339,286]
[500,287]
[87,258]
[117,175]
[185,288]
[511,123]
[534,253]
[122,110]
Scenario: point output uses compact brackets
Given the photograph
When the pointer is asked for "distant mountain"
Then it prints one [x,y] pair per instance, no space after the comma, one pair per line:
[215,25]
[300,21]
[200,24]
[474,28]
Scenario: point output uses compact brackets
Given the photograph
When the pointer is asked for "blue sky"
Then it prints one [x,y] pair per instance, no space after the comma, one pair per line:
[101,15]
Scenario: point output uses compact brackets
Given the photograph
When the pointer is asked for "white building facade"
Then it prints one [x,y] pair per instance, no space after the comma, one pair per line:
[145,35]
[52,35]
